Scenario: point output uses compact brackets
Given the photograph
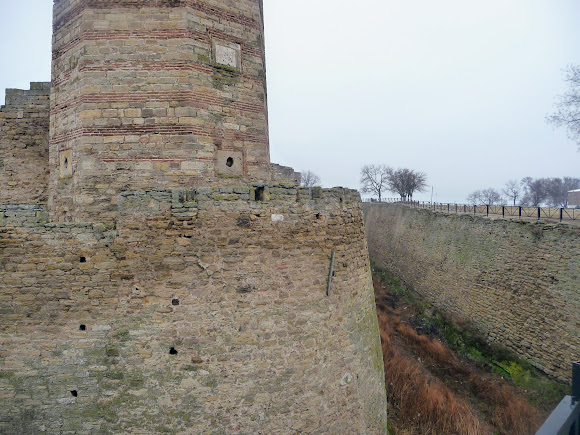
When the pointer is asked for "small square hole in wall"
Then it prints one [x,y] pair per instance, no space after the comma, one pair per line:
[65,164]
[259,195]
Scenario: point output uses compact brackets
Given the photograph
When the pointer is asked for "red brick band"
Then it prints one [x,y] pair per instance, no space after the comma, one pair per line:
[188,98]
[116,35]
[169,159]
[162,129]
[178,65]
[196,5]
[151,159]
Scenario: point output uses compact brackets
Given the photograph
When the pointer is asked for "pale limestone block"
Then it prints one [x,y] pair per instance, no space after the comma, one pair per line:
[132,113]
[84,200]
[144,166]
[191,167]
[231,126]
[90,114]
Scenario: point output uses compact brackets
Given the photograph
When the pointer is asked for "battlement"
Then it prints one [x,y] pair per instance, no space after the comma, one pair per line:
[285,174]
[17,99]
[24,121]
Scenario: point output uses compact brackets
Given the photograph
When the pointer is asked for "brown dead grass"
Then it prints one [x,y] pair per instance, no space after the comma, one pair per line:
[422,401]
[511,414]
[426,405]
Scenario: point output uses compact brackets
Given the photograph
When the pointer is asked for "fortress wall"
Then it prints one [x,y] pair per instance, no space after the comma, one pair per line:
[234,279]
[517,282]
[24,145]
[285,174]
[154,94]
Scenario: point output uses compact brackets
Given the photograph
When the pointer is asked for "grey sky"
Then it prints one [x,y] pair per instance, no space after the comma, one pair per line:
[457,89]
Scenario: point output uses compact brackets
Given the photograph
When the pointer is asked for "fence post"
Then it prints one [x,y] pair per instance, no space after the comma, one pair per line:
[561,214]
[503,211]
[520,212]
[487,210]
[447,207]
[539,213]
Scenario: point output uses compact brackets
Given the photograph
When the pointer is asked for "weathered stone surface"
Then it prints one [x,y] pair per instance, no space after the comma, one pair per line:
[175,288]
[258,347]
[24,145]
[154,94]
[519,282]
[285,174]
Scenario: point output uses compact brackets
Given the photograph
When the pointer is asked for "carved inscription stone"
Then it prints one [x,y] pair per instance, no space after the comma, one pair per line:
[228,55]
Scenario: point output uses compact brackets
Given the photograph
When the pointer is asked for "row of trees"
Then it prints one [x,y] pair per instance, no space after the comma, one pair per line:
[376,179]
[534,192]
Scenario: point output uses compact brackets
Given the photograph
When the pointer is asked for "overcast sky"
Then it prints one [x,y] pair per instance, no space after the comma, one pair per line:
[455,88]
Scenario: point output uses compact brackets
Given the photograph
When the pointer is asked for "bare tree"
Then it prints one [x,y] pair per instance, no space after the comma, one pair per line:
[567,112]
[486,196]
[557,190]
[490,196]
[373,179]
[474,197]
[309,179]
[512,190]
[405,182]
[534,191]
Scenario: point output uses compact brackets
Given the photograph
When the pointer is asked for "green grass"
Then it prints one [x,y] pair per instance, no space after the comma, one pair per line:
[468,341]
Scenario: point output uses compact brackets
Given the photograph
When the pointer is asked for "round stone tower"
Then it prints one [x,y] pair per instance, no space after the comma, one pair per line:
[154,94]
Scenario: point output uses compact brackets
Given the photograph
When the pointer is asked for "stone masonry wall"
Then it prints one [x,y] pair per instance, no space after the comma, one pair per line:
[24,145]
[285,174]
[200,311]
[154,94]
[518,282]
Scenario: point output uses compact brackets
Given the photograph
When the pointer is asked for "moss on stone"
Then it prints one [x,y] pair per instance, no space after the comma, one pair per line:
[220,81]
[122,335]
[112,351]
[203,58]
[115,375]
[136,381]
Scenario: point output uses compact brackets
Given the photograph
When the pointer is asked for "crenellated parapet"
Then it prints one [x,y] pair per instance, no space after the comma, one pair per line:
[24,145]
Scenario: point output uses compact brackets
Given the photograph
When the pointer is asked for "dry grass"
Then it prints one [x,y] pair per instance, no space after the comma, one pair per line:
[511,413]
[433,349]
[427,405]
[423,401]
